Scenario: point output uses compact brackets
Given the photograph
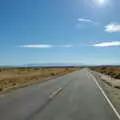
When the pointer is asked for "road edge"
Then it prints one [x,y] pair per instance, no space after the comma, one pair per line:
[105,95]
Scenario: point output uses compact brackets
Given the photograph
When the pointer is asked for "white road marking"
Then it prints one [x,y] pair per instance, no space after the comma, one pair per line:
[55,93]
[104,94]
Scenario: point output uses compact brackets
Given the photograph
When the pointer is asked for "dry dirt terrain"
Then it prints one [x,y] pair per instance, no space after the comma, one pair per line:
[18,77]
[113,71]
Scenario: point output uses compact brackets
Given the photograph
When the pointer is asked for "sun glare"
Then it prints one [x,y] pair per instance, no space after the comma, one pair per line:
[101,2]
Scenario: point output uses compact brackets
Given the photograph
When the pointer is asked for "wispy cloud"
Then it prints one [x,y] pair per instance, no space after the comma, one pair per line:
[65,46]
[112,27]
[87,20]
[45,46]
[37,46]
[107,44]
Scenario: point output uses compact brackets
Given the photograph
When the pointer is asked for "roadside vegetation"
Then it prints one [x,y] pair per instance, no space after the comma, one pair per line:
[18,77]
[111,75]
[113,71]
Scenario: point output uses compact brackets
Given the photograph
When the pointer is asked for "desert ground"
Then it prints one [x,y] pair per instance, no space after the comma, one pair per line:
[18,77]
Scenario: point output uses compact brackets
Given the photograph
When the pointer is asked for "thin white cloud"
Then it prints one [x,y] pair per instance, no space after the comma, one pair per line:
[45,46]
[37,46]
[107,44]
[87,21]
[113,27]
[66,46]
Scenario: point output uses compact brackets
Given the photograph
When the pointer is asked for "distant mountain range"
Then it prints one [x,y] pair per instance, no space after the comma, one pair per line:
[44,65]
[56,64]
[47,65]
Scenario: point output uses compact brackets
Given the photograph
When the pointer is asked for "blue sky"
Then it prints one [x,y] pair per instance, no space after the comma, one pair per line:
[59,31]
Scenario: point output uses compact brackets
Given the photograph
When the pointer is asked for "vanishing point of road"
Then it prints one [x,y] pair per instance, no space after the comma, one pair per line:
[74,96]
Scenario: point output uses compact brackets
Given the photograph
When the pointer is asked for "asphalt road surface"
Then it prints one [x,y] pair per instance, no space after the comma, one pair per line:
[74,96]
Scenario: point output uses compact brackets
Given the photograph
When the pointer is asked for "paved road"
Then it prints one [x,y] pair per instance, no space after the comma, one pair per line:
[71,97]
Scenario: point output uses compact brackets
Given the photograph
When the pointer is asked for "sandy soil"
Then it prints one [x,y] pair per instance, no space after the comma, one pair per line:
[16,77]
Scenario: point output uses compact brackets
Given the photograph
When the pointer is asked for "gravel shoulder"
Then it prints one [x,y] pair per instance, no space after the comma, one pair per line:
[111,86]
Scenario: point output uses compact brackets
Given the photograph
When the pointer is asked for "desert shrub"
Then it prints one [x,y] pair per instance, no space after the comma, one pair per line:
[117,76]
[14,84]
[118,87]
[52,74]
[67,69]
[1,89]
[112,71]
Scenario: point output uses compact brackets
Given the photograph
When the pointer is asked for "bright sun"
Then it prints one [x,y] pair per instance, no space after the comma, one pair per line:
[101,1]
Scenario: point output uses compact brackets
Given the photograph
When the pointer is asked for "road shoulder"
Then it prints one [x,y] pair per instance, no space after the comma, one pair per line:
[112,92]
